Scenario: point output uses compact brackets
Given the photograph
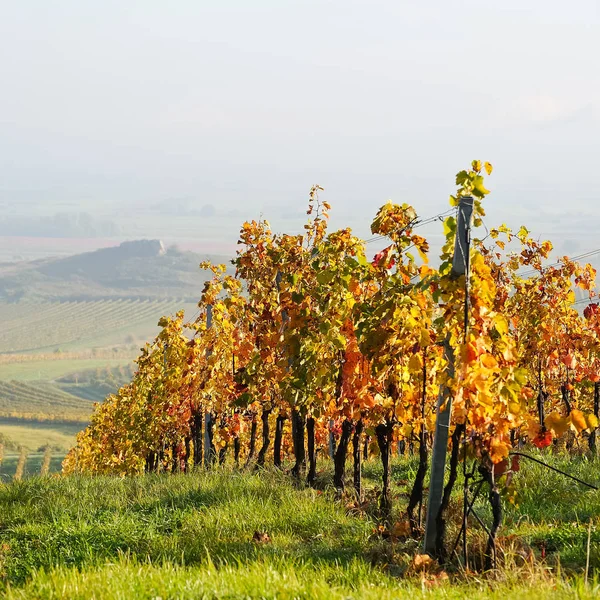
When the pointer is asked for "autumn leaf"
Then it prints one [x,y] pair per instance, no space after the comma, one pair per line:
[578,420]
[261,537]
[422,562]
[592,421]
[557,423]
[415,364]
[488,361]
[542,439]
[401,529]
[499,450]
[569,360]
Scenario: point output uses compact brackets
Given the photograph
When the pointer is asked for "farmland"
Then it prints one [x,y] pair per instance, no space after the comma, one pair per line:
[36,327]
[41,399]
[59,357]
[48,401]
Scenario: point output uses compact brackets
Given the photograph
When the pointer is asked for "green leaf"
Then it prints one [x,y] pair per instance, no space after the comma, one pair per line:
[479,189]
[461,177]
[449,226]
[325,277]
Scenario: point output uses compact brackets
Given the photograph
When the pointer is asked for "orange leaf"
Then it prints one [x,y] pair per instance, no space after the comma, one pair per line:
[422,562]
[569,360]
[498,450]
[488,361]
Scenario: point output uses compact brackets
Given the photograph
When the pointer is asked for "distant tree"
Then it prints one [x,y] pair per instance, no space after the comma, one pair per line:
[208,210]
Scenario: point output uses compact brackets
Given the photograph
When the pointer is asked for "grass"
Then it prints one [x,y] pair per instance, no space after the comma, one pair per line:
[193,536]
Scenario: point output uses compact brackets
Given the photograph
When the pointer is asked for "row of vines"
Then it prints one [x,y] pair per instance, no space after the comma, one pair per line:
[312,350]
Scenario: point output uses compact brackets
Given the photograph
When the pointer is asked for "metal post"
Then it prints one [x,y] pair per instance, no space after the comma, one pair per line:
[207,415]
[460,266]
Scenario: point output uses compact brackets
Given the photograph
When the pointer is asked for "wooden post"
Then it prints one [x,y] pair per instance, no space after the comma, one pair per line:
[460,266]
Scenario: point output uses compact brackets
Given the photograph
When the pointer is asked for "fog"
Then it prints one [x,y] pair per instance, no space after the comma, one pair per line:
[112,106]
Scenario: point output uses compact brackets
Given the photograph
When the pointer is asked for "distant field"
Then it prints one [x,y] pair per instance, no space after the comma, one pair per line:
[32,465]
[48,370]
[34,435]
[41,398]
[30,327]
[35,412]
[58,358]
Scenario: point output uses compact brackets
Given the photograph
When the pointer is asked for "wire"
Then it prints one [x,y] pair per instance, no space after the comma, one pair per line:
[555,264]
[418,223]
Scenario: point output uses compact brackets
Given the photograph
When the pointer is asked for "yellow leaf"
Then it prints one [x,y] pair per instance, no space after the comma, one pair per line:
[592,421]
[485,399]
[415,364]
[558,424]
[578,420]
[488,361]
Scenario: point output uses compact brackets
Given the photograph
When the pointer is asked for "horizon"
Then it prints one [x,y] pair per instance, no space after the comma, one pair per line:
[373,103]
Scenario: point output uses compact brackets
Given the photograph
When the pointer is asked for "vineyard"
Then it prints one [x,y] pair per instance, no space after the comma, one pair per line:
[313,351]
[35,411]
[48,326]
[41,400]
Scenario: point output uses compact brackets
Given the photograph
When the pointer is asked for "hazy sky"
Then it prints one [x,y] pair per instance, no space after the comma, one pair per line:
[245,104]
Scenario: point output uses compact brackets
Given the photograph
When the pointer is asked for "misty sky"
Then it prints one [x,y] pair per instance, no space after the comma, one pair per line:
[246,104]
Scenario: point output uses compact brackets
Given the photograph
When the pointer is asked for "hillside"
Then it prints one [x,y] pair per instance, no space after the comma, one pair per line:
[136,269]
[71,327]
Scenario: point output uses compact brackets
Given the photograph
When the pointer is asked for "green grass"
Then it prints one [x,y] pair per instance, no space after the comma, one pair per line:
[126,579]
[191,536]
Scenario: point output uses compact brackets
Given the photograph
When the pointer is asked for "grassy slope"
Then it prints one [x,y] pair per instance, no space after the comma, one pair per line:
[192,536]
